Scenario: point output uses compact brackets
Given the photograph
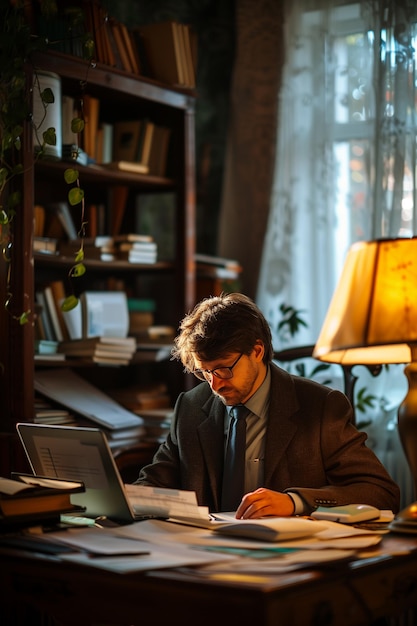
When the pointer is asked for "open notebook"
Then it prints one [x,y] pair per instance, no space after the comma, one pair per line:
[80,454]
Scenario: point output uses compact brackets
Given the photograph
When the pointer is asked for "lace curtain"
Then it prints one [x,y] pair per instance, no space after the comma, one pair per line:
[346,148]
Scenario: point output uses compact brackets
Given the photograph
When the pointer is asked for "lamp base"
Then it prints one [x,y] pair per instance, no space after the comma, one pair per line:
[407,421]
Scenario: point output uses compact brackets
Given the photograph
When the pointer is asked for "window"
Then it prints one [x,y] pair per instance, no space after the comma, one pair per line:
[346,152]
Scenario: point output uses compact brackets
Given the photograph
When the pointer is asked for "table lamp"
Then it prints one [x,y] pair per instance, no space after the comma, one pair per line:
[372,319]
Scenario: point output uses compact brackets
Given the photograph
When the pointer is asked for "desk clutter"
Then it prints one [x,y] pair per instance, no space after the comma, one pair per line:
[153,544]
[175,531]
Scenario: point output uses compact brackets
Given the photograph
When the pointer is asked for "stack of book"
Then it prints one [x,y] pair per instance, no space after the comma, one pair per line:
[136,248]
[27,500]
[103,350]
[141,315]
[216,275]
[48,413]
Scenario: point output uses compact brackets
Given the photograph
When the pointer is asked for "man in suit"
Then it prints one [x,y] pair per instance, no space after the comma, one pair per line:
[302,450]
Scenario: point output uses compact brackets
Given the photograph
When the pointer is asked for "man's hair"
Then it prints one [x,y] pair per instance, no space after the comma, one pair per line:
[219,326]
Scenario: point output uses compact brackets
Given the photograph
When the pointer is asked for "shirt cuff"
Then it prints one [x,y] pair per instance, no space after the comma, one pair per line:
[298,502]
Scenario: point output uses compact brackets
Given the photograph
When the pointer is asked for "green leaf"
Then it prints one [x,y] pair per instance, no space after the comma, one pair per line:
[77,125]
[49,137]
[24,318]
[78,270]
[75,196]
[4,218]
[69,303]
[14,199]
[70,176]
[88,48]
[47,96]
[79,256]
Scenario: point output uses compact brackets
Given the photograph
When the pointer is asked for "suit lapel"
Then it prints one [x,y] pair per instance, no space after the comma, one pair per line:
[281,427]
[211,434]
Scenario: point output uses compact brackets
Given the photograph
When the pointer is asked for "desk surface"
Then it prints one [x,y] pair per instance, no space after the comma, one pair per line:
[349,593]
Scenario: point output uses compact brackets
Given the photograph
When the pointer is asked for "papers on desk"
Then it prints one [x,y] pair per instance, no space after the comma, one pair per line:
[109,549]
[334,542]
[167,503]
[157,544]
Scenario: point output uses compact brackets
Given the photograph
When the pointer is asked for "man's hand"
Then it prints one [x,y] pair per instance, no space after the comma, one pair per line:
[265,502]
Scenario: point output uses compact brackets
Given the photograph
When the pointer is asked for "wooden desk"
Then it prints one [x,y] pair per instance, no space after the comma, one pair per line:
[349,594]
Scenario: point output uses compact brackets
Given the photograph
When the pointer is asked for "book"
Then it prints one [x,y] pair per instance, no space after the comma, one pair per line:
[113,347]
[188,56]
[43,315]
[68,114]
[61,211]
[45,347]
[46,245]
[126,136]
[72,391]
[161,44]
[128,166]
[132,238]
[137,246]
[159,151]
[128,46]
[207,259]
[138,256]
[39,220]
[91,112]
[117,199]
[58,294]
[106,153]
[53,313]
[122,51]
[28,495]
[145,140]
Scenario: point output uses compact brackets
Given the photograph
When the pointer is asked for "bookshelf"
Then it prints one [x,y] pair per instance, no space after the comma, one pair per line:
[171,282]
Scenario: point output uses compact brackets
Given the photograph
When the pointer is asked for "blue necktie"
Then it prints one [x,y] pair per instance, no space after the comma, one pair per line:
[234,463]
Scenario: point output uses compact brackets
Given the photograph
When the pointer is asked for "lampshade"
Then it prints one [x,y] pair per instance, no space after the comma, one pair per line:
[372,317]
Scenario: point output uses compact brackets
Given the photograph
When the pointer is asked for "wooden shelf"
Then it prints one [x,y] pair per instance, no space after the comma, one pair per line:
[99,174]
[121,95]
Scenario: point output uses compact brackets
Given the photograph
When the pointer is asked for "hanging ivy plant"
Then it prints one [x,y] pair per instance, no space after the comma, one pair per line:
[17,45]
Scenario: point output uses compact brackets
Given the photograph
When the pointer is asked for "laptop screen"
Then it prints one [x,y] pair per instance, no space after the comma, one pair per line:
[80,454]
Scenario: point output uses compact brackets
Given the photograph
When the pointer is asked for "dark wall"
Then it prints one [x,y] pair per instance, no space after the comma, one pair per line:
[213,21]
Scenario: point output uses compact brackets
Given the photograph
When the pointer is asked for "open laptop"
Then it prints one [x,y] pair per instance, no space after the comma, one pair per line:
[81,454]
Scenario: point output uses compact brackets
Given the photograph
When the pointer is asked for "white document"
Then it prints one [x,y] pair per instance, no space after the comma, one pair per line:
[172,503]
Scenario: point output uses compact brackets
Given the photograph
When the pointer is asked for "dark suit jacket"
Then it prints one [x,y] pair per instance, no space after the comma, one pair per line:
[312,448]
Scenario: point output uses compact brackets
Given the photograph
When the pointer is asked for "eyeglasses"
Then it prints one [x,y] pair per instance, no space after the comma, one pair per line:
[220,372]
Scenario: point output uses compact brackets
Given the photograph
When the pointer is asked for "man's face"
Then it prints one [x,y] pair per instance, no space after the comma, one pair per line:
[249,372]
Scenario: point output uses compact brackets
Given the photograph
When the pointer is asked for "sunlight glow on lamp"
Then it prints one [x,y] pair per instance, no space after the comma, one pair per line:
[372,319]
